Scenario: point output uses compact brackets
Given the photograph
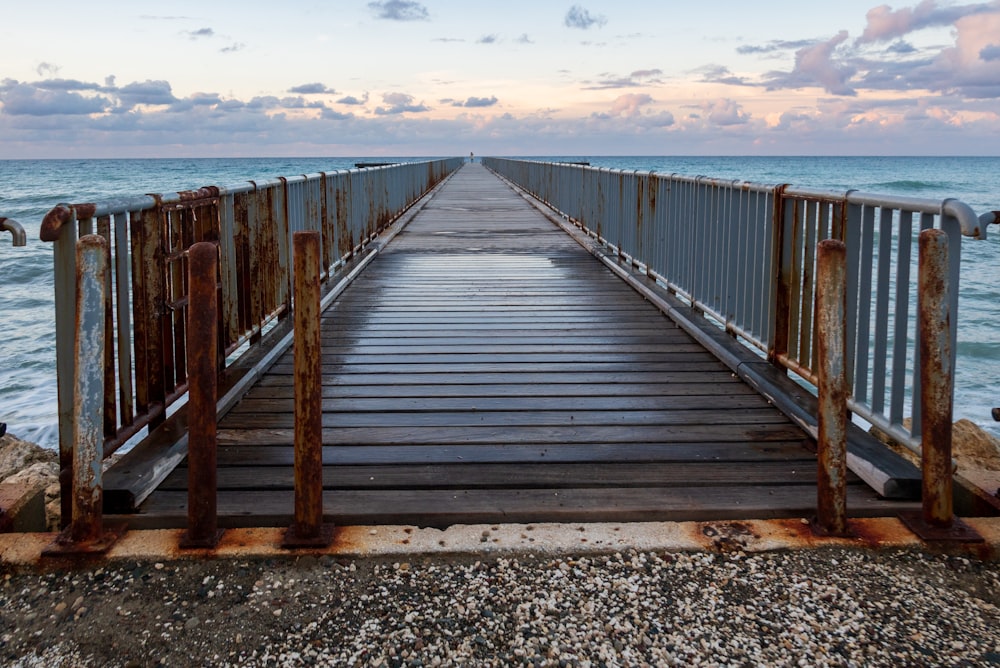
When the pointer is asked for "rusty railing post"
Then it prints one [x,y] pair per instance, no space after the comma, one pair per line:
[202,368]
[831,299]
[936,521]
[86,531]
[308,529]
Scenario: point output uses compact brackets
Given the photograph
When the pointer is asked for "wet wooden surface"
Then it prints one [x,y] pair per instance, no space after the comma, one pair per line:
[486,368]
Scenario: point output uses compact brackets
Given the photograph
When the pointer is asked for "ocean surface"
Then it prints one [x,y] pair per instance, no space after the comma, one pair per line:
[29,188]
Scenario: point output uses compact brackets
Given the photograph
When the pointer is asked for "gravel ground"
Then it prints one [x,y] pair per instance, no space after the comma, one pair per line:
[820,607]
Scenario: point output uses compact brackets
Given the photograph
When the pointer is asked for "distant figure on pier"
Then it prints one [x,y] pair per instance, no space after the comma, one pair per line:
[472,158]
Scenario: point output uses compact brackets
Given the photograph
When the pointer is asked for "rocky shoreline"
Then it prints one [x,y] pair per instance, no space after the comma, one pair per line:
[25,463]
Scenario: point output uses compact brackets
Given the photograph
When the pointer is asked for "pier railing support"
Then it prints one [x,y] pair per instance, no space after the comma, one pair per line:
[936,521]
[831,299]
[202,366]
[86,532]
[308,529]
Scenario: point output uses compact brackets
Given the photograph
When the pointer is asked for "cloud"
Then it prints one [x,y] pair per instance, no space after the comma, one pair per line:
[578,17]
[312,89]
[818,64]
[476,102]
[146,92]
[970,67]
[720,74]
[47,69]
[399,10]
[884,23]
[399,103]
[647,74]
[901,47]
[725,112]
[233,48]
[488,39]
[202,32]
[447,39]
[350,99]
[196,100]
[231,127]
[31,100]
[524,39]
[630,104]
[775,46]
[67,84]
[633,80]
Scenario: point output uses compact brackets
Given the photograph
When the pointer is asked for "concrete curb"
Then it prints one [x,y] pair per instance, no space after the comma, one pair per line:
[25,550]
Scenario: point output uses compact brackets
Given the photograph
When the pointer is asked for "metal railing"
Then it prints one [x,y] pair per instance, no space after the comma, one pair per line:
[744,254]
[15,229]
[145,295]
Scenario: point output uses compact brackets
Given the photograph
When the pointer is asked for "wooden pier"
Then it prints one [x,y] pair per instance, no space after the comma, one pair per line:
[485,368]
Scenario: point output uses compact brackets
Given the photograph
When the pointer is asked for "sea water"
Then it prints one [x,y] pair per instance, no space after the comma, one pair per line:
[29,188]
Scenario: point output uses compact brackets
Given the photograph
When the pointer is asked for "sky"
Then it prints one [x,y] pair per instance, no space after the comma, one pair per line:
[103,79]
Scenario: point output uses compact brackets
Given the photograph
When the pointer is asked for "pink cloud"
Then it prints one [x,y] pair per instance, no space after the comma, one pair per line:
[629,104]
[884,23]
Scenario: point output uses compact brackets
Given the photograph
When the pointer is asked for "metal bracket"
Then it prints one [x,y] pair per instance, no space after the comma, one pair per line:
[208,542]
[958,532]
[820,531]
[292,541]
[64,545]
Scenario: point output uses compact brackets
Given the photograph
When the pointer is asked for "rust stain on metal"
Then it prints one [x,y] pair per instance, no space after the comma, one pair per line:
[308,529]
[934,344]
[831,484]
[202,335]
[92,279]
[347,540]
[729,536]
[53,221]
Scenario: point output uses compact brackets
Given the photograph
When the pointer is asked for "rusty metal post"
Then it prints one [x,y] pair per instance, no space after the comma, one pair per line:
[937,520]
[831,300]
[308,529]
[86,532]
[202,350]
[936,386]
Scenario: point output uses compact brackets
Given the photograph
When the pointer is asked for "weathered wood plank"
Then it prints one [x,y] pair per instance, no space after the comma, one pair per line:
[514,476]
[682,360]
[623,419]
[521,367]
[551,350]
[446,507]
[738,455]
[745,434]
[601,379]
[395,404]
[708,393]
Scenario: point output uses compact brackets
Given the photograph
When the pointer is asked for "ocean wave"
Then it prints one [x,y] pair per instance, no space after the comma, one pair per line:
[909,186]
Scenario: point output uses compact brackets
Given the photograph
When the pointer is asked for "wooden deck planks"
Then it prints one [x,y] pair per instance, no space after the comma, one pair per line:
[486,368]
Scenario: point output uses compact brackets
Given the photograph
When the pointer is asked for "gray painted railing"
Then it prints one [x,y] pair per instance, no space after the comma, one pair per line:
[744,254]
[145,321]
[15,229]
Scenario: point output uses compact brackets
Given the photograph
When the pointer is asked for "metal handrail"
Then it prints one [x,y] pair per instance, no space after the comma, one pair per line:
[15,229]
[145,300]
[744,255]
